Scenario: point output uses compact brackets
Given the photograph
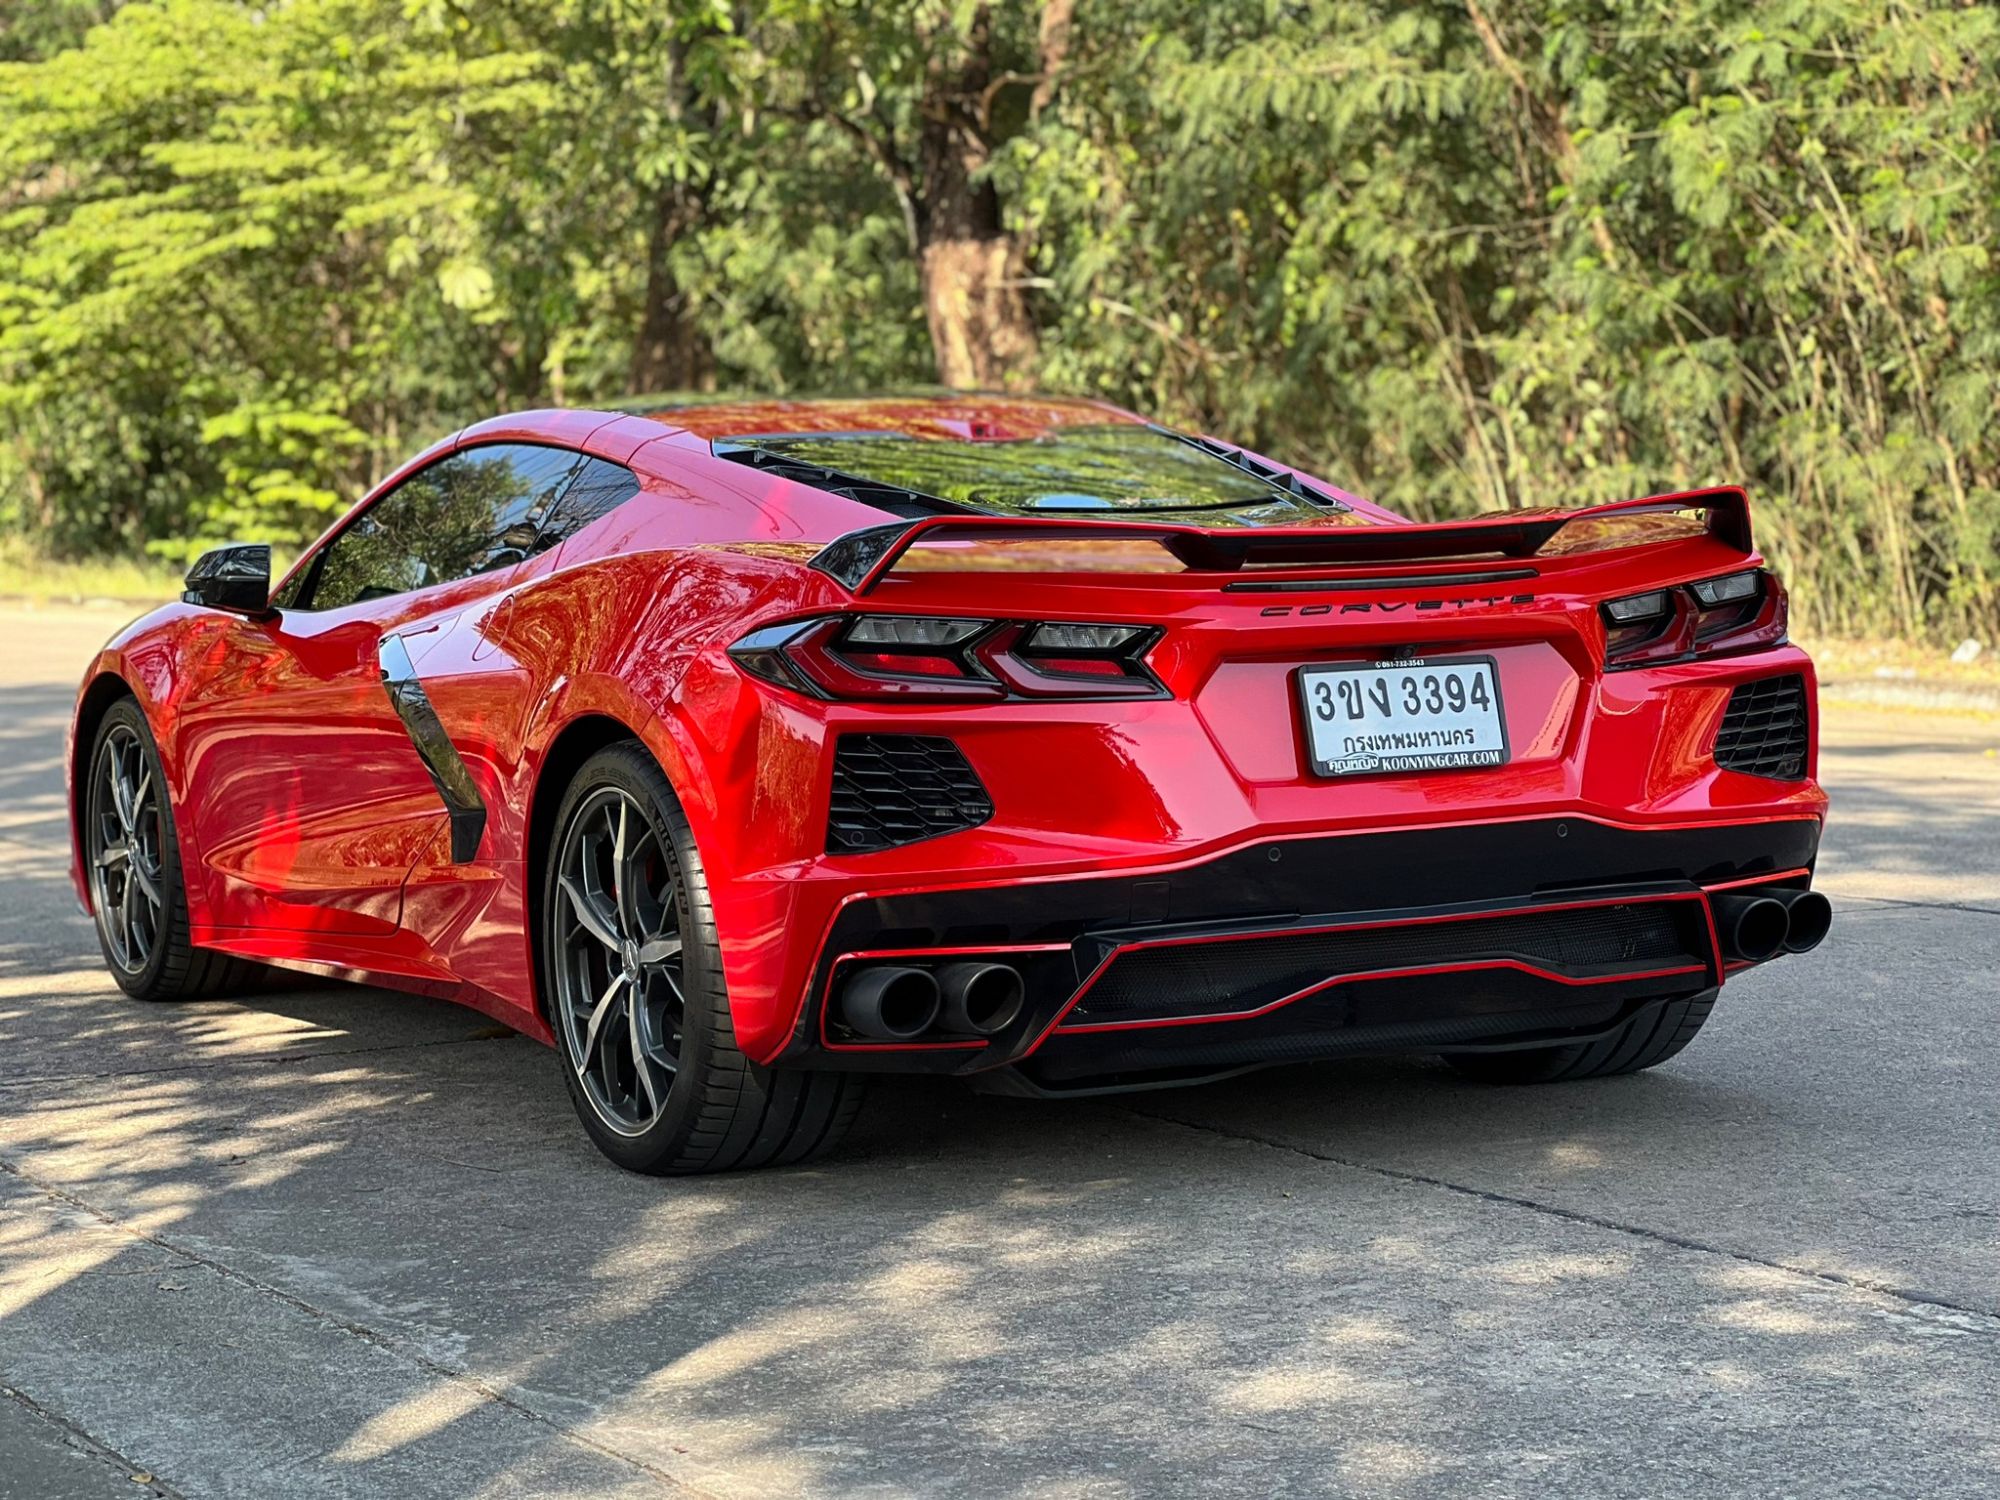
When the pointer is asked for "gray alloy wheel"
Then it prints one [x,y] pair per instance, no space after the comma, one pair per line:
[132,865]
[620,1005]
[632,983]
[125,850]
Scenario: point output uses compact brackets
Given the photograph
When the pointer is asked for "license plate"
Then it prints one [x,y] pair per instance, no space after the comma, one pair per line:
[1416,715]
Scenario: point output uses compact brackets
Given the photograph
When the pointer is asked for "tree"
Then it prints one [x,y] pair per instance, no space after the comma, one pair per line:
[31,29]
[928,93]
[1457,254]
[226,230]
[1478,253]
[646,128]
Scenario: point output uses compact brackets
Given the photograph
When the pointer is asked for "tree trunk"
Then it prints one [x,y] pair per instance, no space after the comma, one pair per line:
[980,330]
[1546,116]
[1052,35]
[972,269]
[670,352]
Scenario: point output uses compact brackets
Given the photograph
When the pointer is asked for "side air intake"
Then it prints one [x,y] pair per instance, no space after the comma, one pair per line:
[891,789]
[1764,729]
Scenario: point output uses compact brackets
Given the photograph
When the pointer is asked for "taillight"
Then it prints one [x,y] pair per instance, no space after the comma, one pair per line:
[951,660]
[1733,612]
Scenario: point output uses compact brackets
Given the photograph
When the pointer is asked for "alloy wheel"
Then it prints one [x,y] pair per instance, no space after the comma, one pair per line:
[126,839]
[614,931]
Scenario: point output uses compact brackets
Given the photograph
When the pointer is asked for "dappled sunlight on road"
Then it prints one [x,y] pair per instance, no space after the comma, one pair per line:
[384,1261]
[422,1416]
[973,1269]
[36,1257]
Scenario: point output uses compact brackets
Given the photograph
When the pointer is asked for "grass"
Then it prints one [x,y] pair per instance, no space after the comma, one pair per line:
[26,574]
[1892,660]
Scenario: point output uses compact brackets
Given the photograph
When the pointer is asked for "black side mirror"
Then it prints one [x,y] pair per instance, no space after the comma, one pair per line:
[236,577]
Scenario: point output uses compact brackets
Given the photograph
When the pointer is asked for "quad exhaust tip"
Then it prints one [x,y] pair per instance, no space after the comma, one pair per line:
[1758,925]
[899,1003]
[890,1003]
[1752,927]
[1808,919]
[980,999]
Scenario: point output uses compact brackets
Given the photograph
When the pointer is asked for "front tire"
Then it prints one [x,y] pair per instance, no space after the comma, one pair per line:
[132,859]
[1645,1041]
[632,979]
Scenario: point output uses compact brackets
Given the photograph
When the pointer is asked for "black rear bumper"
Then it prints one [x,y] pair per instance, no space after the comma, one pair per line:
[1498,934]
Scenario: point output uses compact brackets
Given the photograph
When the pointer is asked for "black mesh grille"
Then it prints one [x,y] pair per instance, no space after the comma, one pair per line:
[1240,974]
[891,789]
[1764,730]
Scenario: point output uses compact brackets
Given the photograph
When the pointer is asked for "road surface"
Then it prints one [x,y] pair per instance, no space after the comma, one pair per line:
[343,1242]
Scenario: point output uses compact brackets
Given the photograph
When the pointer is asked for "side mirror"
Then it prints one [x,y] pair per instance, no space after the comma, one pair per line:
[236,578]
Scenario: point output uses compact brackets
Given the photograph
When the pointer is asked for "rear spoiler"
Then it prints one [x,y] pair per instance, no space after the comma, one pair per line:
[861,559]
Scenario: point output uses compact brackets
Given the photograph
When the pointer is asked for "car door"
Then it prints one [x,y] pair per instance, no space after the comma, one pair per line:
[309,798]
[485,676]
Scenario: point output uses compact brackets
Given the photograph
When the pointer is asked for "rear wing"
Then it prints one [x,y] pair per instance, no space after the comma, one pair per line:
[861,559]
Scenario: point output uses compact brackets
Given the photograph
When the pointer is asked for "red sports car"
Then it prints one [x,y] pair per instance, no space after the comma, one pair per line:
[742,749]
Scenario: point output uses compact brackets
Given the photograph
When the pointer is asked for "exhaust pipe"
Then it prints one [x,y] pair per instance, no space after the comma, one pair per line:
[980,999]
[1808,916]
[1752,927]
[890,1004]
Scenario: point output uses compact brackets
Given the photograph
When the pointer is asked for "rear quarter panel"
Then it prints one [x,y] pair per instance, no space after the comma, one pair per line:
[622,629]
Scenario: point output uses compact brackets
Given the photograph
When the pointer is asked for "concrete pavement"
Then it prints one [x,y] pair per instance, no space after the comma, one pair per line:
[334,1241]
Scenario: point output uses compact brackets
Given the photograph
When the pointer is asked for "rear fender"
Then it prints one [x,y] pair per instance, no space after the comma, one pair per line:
[711,740]
[506,681]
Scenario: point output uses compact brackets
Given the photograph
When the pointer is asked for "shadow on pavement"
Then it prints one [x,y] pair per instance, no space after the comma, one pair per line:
[331,1240]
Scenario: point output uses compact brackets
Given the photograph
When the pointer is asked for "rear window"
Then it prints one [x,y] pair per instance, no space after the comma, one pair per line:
[1076,471]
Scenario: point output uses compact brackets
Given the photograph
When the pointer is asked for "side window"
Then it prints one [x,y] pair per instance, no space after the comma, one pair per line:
[469,513]
[599,488]
[294,587]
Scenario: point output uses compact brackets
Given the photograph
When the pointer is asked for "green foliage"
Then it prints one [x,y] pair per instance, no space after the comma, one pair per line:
[1599,250]
[1455,254]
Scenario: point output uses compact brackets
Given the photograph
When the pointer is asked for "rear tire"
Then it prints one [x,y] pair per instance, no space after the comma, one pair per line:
[626,921]
[1645,1041]
[132,858]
